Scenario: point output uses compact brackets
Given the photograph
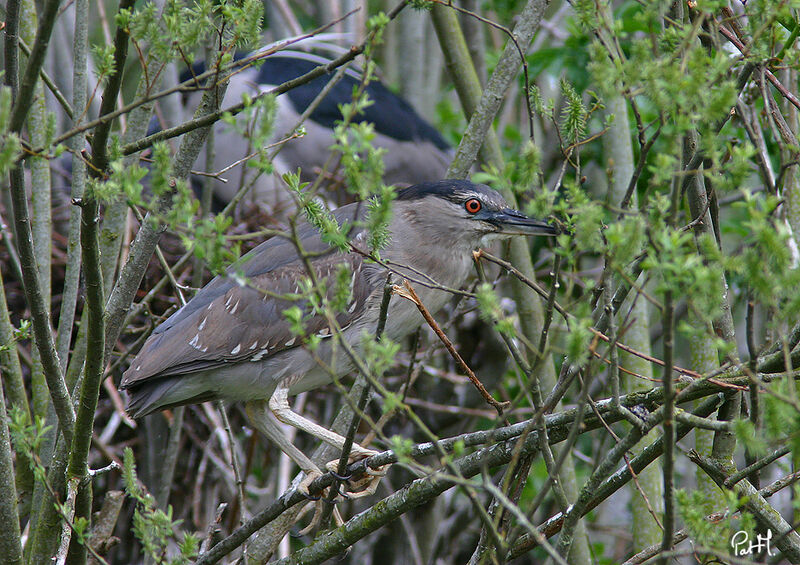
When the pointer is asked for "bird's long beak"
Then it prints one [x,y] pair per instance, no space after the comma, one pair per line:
[513,222]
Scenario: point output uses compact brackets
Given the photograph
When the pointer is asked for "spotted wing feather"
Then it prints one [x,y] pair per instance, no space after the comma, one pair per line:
[239,316]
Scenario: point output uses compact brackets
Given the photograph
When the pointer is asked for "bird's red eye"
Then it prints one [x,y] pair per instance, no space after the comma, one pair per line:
[473,205]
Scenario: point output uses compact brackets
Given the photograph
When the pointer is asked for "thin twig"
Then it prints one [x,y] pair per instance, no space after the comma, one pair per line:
[770,77]
[237,473]
[407,291]
[780,484]
[760,464]
[568,317]
[788,540]
[616,481]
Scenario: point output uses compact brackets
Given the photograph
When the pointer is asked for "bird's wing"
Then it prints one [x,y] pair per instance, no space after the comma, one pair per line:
[238,317]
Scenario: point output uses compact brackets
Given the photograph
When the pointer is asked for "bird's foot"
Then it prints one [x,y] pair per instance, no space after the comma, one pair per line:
[311,476]
[316,520]
[366,485]
[319,502]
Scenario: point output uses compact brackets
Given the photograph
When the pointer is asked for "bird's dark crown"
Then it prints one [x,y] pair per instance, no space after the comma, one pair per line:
[454,190]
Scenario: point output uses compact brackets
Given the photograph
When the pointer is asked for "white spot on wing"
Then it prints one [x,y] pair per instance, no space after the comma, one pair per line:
[235,306]
[290,342]
[236,349]
[195,340]
[255,343]
[202,324]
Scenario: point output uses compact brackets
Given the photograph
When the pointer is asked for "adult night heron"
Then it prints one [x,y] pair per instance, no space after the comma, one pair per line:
[414,151]
[232,341]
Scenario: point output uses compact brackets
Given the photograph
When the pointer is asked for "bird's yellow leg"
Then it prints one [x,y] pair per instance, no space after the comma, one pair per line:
[263,420]
[279,405]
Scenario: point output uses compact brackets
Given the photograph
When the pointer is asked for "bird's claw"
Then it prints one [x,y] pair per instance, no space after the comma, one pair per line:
[337,476]
[366,485]
[311,476]
[357,453]
[303,487]
[379,472]
[310,497]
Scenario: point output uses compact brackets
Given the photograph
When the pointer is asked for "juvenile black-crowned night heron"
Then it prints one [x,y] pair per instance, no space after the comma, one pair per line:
[232,342]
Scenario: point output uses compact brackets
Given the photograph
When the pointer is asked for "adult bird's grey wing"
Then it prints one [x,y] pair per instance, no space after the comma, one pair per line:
[238,317]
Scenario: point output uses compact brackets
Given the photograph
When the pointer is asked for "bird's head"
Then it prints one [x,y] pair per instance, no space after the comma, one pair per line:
[463,212]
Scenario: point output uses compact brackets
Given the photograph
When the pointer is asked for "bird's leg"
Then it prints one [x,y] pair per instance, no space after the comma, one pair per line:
[279,404]
[263,420]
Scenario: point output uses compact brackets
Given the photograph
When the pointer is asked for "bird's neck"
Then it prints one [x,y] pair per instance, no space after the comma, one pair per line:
[449,265]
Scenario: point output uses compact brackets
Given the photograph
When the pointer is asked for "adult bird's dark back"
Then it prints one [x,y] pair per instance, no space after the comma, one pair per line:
[414,150]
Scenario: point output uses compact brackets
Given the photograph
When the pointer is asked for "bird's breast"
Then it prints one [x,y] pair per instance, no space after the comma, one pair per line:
[430,277]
